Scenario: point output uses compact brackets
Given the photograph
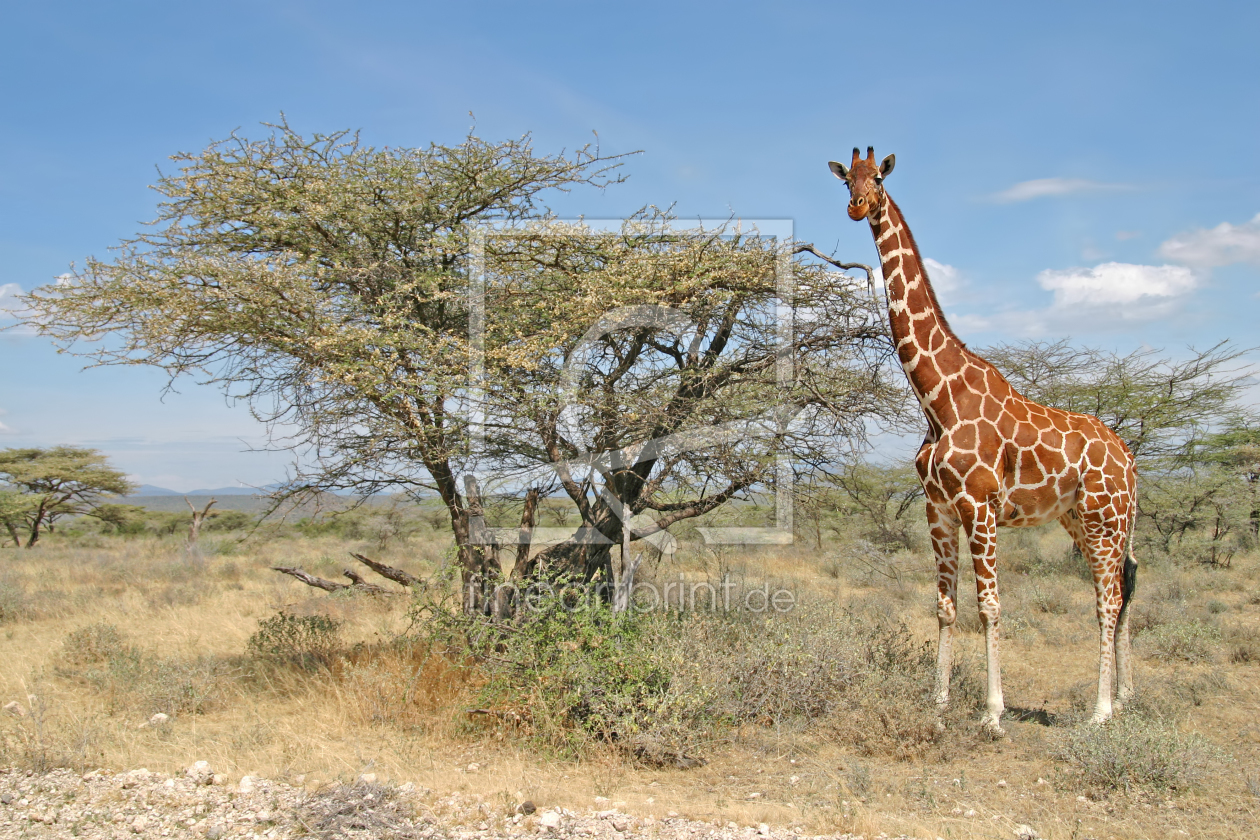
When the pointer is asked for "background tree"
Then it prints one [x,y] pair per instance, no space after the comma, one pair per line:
[1237,449]
[43,485]
[325,283]
[885,498]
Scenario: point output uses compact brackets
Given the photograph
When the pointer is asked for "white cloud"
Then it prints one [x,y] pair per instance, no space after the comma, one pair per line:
[945,278]
[8,297]
[1224,244]
[1045,187]
[1122,286]
[1097,298]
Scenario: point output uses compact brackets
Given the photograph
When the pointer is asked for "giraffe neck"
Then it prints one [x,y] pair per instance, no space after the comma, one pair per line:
[929,351]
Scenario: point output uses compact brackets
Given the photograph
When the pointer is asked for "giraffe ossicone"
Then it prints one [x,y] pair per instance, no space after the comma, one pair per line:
[994,458]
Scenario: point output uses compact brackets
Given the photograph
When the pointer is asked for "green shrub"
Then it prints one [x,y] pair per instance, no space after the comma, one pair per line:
[304,641]
[1131,752]
[658,685]
[1184,641]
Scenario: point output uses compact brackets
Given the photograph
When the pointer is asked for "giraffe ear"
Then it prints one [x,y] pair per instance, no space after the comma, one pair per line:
[887,166]
[839,170]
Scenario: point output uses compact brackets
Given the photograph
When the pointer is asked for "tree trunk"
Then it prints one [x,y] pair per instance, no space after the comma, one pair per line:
[198,517]
[35,525]
[524,567]
[479,556]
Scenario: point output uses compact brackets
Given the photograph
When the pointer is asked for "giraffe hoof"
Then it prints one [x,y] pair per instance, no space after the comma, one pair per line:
[992,730]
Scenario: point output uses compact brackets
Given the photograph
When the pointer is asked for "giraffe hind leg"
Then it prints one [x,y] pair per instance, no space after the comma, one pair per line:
[1124,656]
[944,530]
[1103,545]
[981,528]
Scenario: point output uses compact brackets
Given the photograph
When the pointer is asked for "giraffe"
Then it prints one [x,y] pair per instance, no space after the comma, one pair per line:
[994,458]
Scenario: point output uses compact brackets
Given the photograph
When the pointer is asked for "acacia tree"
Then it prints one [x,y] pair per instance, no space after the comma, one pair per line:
[327,284]
[665,372]
[324,282]
[43,485]
[1236,449]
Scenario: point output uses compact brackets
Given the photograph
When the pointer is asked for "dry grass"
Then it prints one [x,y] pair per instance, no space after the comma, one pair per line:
[397,710]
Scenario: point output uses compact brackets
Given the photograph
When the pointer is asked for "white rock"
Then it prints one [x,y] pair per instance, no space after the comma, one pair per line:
[1001,783]
[200,773]
[763,830]
[473,768]
[140,823]
[601,799]
[1025,832]
[367,778]
[135,777]
[549,819]
[246,785]
[970,812]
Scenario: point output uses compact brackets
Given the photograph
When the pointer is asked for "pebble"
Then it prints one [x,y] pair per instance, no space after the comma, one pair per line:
[93,806]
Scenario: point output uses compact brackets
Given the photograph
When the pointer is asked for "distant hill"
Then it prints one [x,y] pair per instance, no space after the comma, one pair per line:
[150,490]
[232,491]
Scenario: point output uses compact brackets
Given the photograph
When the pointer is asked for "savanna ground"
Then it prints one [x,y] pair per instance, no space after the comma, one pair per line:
[819,717]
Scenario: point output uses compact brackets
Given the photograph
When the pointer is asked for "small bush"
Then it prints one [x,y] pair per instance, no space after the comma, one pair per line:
[129,679]
[1134,752]
[13,602]
[1051,598]
[91,645]
[1244,645]
[304,641]
[1186,641]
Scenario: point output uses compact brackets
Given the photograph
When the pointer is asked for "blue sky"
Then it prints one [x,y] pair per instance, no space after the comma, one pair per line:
[1083,170]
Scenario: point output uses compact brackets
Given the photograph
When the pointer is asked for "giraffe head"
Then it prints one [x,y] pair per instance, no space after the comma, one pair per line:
[866,182]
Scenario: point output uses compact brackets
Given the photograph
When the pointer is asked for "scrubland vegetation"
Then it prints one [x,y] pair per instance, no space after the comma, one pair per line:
[818,716]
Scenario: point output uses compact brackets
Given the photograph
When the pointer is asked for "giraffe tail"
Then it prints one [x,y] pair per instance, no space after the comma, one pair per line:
[1128,582]
[1128,575]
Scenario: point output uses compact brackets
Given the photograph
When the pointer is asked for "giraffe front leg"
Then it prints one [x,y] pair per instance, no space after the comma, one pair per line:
[981,528]
[944,530]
